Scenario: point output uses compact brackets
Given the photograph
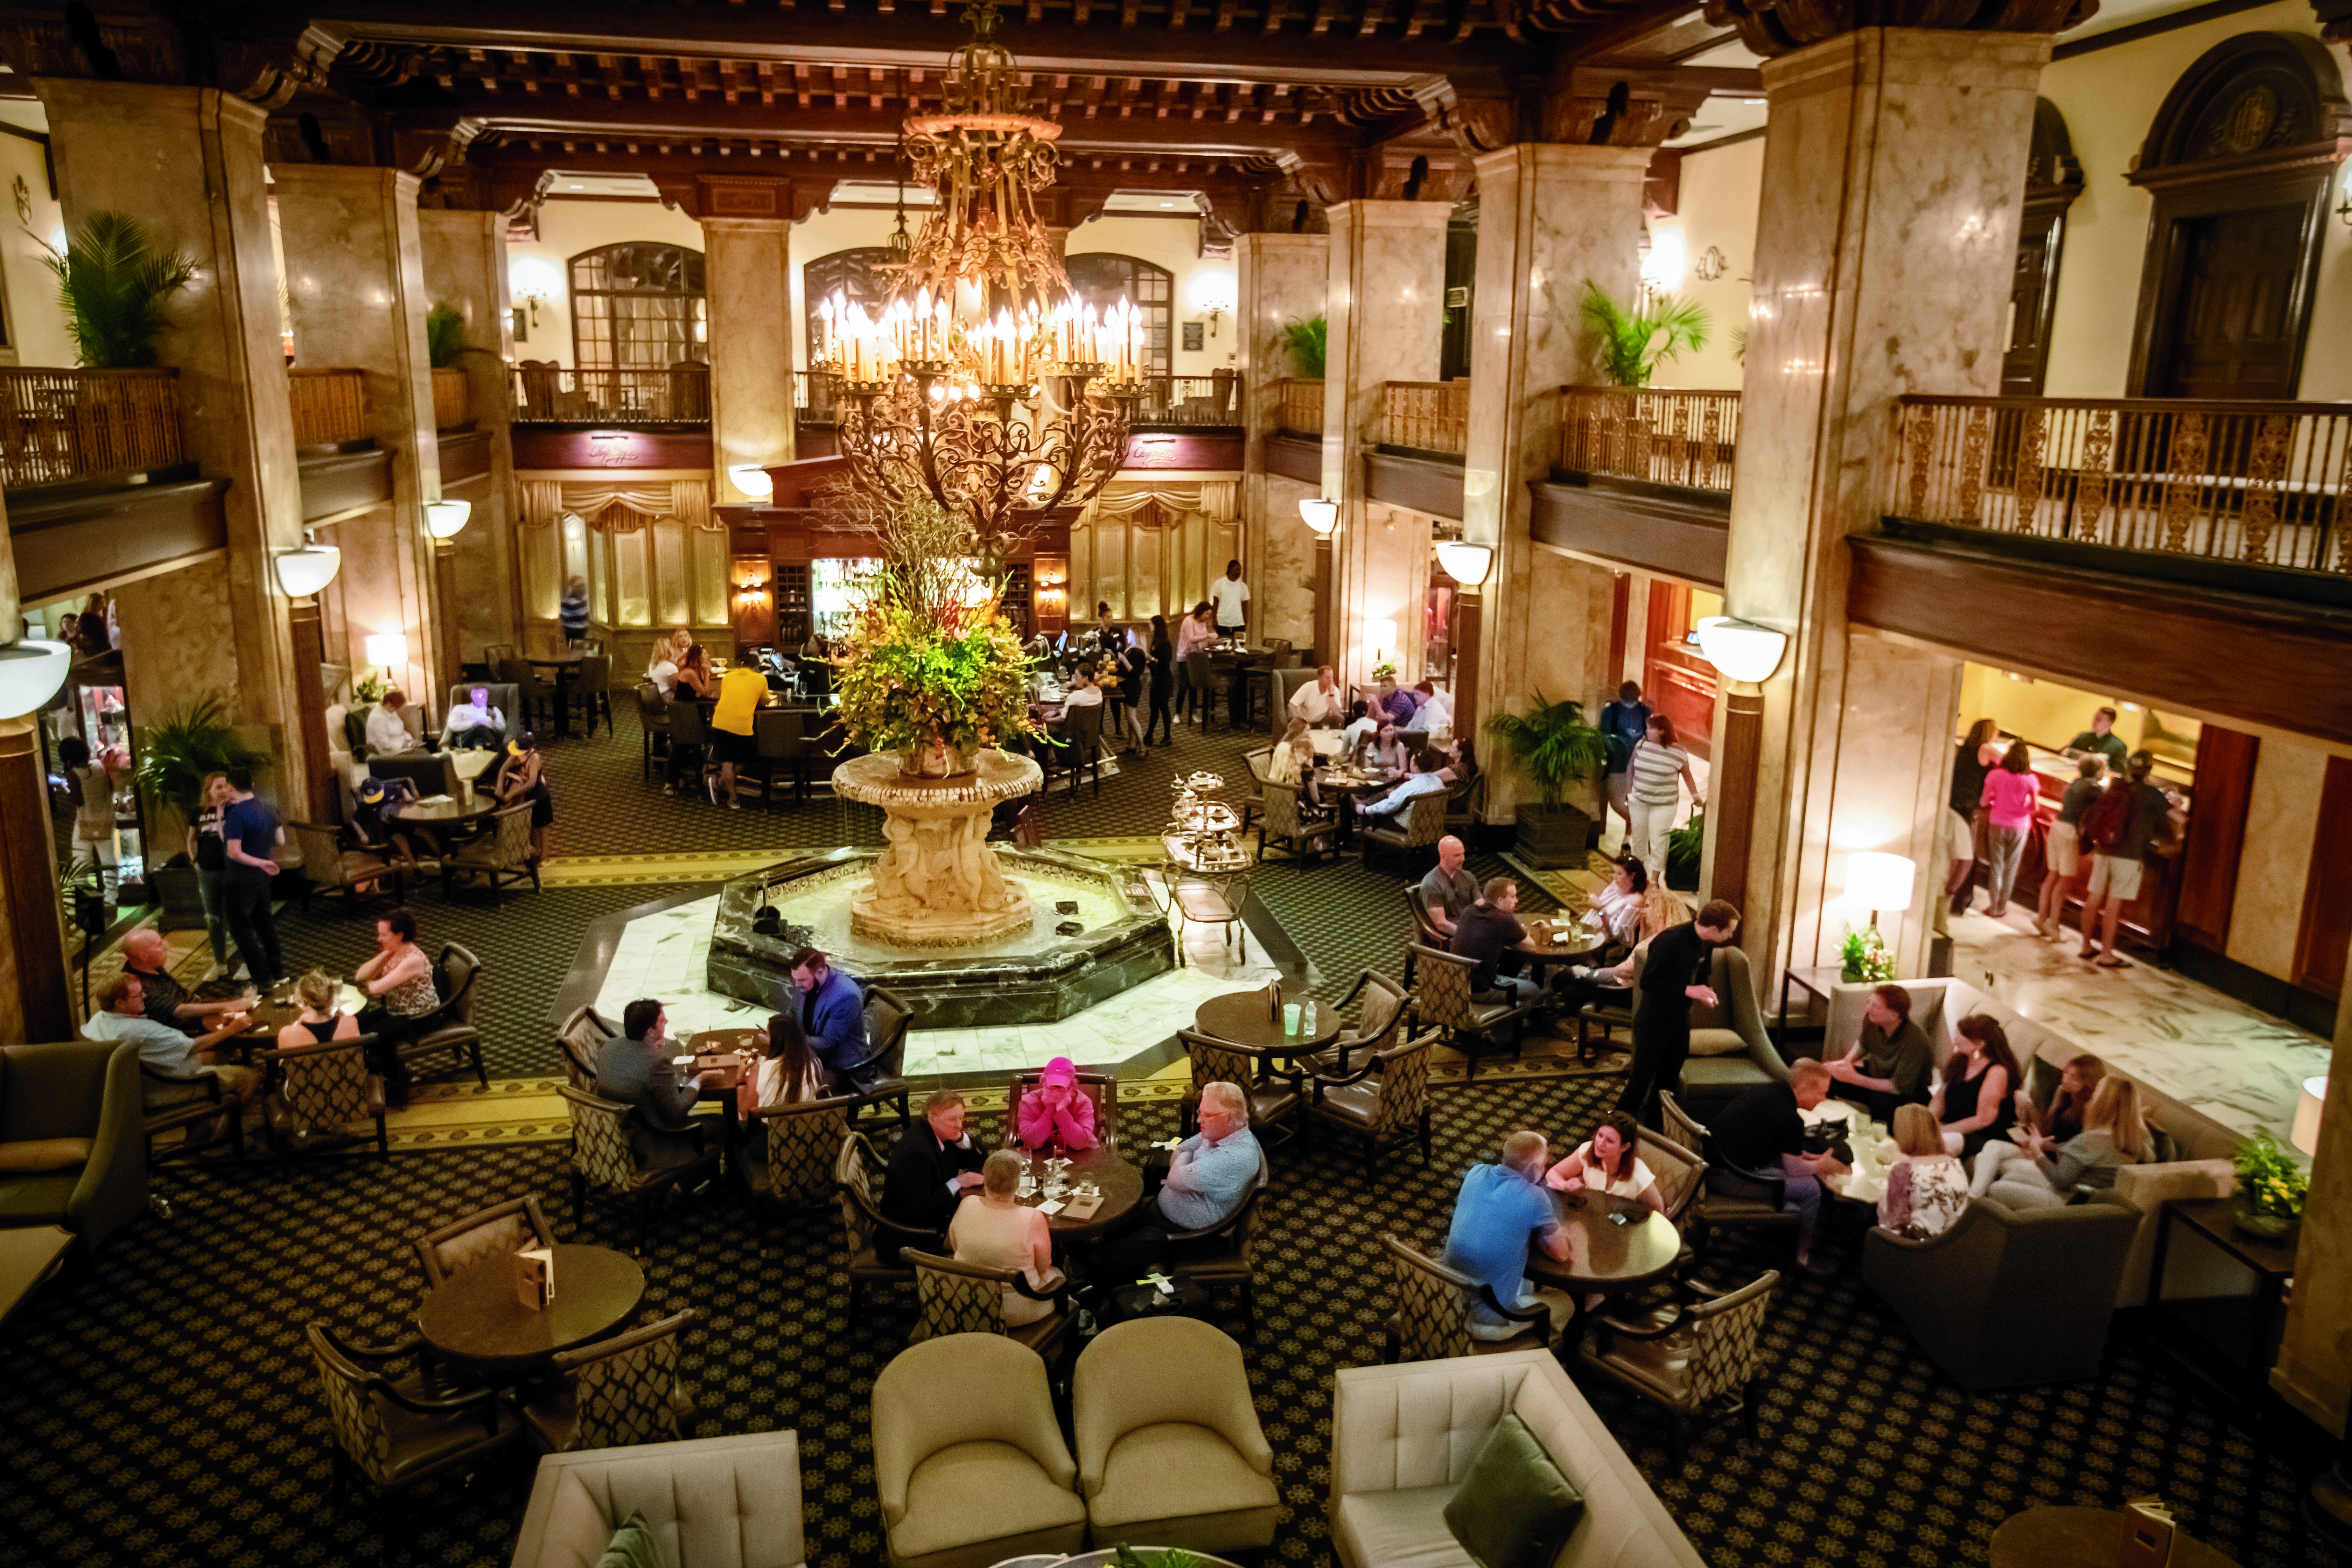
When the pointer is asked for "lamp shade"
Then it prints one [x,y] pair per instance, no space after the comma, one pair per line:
[385,649]
[304,570]
[1740,650]
[1465,563]
[753,480]
[2307,1109]
[1880,881]
[447,518]
[1318,515]
[1381,635]
[30,673]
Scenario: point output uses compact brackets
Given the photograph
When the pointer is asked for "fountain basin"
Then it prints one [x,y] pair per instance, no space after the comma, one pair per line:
[1032,974]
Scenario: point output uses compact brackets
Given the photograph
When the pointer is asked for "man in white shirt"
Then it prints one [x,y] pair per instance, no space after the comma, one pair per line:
[1320,704]
[387,733]
[122,1015]
[1407,789]
[474,724]
[1435,713]
[1230,596]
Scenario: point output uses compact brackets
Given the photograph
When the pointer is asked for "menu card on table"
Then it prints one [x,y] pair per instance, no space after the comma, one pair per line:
[535,1277]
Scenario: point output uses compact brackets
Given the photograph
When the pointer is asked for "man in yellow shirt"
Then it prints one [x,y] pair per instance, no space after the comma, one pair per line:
[739,690]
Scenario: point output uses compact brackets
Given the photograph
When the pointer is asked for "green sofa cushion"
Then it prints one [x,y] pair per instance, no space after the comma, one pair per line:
[1515,1509]
[37,1200]
[634,1546]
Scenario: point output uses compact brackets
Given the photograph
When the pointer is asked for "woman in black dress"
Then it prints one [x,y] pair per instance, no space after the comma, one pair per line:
[1163,682]
[1977,1100]
[1134,682]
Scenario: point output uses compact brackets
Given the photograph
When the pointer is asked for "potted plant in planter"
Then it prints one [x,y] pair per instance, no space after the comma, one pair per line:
[2271,1188]
[175,757]
[1557,750]
[1684,847]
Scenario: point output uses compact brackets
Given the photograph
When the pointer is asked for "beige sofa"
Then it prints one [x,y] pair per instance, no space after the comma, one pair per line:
[2202,1146]
[1403,1438]
[714,1502]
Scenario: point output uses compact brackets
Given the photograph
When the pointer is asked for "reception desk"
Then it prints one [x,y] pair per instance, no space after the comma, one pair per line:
[2147,919]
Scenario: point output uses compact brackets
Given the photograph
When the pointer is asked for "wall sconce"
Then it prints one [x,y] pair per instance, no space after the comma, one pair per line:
[533,299]
[1213,297]
[573,526]
[30,673]
[1739,650]
[1465,563]
[1711,265]
[753,480]
[447,518]
[1318,515]
[385,649]
[305,571]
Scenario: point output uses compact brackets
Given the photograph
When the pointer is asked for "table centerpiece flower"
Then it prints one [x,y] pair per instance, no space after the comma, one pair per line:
[2270,1187]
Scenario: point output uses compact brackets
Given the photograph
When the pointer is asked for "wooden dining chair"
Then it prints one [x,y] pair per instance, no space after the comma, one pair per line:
[1098,1086]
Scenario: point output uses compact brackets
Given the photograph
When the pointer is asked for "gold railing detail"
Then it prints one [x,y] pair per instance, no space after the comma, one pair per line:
[551,394]
[1200,401]
[1655,435]
[453,399]
[1427,416]
[58,425]
[1301,408]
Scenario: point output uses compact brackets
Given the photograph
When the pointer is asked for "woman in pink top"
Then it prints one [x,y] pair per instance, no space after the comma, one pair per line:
[2011,793]
[1056,1109]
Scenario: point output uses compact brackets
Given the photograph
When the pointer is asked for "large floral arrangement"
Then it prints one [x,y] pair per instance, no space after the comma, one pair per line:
[931,661]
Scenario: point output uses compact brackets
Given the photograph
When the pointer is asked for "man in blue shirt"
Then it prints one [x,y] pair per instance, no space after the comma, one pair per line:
[1208,1175]
[1623,724]
[122,1015]
[1424,778]
[833,1015]
[1500,1210]
[250,834]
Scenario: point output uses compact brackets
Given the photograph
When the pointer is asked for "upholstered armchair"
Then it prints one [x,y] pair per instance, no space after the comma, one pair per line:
[452,1028]
[501,856]
[1432,1322]
[1385,1099]
[2009,1297]
[1272,1101]
[395,1432]
[968,1457]
[887,1019]
[1379,1021]
[1444,1001]
[1170,1447]
[1225,1253]
[320,1093]
[1422,825]
[1695,1356]
[1727,1195]
[329,867]
[583,1034]
[1729,1049]
[1100,1089]
[874,1243]
[713,1502]
[604,1167]
[73,1143]
[617,1392]
[1295,835]
[501,1230]
[958,1297]
[786,1153]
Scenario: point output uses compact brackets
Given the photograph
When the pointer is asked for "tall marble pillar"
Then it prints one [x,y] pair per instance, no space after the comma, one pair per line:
[35,1003]
[1550,219]
[1886,240]
[1280,280]
[187,163]
[466,265]
[355,274]
[1384,300]
[747,276]
[2314,1366]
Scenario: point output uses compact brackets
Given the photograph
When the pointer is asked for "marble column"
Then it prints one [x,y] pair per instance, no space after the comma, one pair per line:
[1886,240]
[1550,219]
[747,273]
[1280,278]
[466,265]
[36,1003]
[1384,301]
[187,163]
[2314,1366]
[355,273]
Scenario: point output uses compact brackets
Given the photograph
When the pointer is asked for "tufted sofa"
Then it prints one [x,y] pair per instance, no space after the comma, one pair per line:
[73,1141]
[714,1502]
[1403,1438]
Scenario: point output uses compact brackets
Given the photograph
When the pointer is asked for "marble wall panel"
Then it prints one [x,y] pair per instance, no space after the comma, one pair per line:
[1283,574]
[748,276]
[179,647]
[2274,861]
[466,265]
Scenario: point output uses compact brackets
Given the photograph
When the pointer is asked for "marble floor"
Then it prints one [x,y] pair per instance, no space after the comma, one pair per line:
[2242,1067]
[666,955]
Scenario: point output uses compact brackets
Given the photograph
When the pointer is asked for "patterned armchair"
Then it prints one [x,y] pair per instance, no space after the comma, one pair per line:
[198,1120]
[1728,1195]
[1378,1022]
[582,1036]
[1432,1320]
[1444,1001]
[1225,1253]
[1386,1098]
[453,1029]
[1681,1174]
[1695,1356]
[319,1093]
[1220,1061]
[328,867]
[515,1226]
[501,856]
[887,1018]
[615,1394]
[1425,930]
[1299,837]
[953,1296]
[395,1432]
[874,1243]
[1424,826]
[786,1152]
[1100,1088]
[604,1167]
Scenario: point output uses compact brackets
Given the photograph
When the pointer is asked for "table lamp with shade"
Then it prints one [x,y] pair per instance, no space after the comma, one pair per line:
[1878,881]
[384,649]
[2308,1109]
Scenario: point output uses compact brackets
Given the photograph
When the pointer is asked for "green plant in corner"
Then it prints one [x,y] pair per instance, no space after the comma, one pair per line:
[1684,846]
[1308,342]
[175,755]
[1634,340]
[2272,1184]
[1551,744]
[112,282]
[1125,1556]
[445,335]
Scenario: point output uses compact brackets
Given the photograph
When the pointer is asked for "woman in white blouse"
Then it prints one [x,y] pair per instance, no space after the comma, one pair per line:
[1606,1163]
[789,1072]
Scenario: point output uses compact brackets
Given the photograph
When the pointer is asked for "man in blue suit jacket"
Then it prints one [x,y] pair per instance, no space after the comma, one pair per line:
[833,1014]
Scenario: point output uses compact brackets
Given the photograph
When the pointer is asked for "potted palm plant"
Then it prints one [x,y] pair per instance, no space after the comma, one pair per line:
[1558,751]
[113,282]
[1631,342]
[1307,340]
[175,759]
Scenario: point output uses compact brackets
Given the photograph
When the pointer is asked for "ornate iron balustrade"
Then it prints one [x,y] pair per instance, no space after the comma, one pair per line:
[59,425]
[1427,416]
[1655,435]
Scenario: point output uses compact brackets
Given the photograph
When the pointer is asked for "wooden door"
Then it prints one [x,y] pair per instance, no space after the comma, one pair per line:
[1676,681]
[2326,934]
[2032,295]
[2227,328]
[2217,834]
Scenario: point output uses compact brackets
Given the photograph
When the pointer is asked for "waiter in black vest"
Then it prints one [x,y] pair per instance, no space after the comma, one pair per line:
[1675,974]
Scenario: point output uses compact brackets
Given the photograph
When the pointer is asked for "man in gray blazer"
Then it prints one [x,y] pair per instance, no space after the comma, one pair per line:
[634,1071]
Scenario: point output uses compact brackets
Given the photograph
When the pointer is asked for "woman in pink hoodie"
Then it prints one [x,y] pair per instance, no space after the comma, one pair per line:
[2011,793]
[1056,1109]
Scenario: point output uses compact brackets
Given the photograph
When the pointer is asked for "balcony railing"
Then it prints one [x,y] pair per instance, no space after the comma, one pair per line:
[453,400]
[1191,402]
[2255,483]
[1301,410]
[329,406]
[550,395]
[1657,436]
[1427,416]
[814,397]
[58,425]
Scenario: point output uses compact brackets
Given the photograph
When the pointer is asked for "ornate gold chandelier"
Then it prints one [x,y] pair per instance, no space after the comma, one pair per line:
[983,384]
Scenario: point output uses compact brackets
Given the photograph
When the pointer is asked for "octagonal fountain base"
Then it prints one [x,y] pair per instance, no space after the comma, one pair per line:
[1092,933]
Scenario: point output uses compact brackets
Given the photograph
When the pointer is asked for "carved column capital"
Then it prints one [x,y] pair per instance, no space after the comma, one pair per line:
[1774,27]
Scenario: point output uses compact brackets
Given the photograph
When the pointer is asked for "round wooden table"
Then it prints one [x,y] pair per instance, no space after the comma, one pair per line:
[1107,1557]
[447,812]
[476,1316]
[2081,1537]
[1122,1189]
[1238,1018]
[1604,1254]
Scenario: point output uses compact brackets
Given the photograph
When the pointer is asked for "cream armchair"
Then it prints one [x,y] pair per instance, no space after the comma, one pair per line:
[1170,1449]
[1403,1438]
[969,1458]
[716,1502]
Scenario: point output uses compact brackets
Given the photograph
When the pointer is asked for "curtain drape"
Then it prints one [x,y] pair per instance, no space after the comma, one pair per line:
[651,550]
[1151,549]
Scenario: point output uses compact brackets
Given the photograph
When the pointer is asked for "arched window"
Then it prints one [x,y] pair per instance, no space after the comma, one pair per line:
[638,305]
[849,273]
[1102,281]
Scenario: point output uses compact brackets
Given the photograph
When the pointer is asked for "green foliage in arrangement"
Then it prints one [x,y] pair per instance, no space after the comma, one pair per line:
[1307,340]
[1684,846]
[445,335]
[112,282]
[1634,340]
[1551,744]
[175,755]
[2270,1179]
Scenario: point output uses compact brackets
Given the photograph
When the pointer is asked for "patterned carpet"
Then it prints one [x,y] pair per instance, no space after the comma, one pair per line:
[160,1409]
